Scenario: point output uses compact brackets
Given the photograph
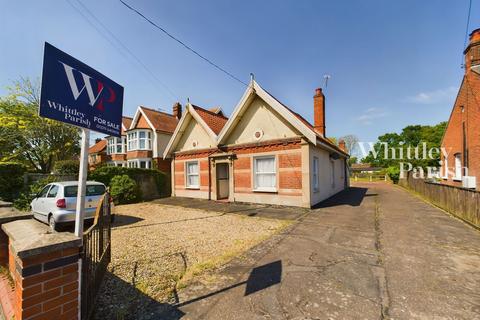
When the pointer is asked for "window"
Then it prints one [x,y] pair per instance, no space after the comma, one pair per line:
[192,173]
[332,163]
[139,140]
[445,168]
[116,145]
[53,192]
[91,190]
[265,174]
[458,167]
[140,163]
[43,193]
[315,174]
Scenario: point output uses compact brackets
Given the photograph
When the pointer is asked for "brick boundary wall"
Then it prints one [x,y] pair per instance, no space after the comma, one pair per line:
[43,279]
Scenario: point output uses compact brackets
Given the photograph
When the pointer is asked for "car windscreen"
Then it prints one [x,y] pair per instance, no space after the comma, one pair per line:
[92,190]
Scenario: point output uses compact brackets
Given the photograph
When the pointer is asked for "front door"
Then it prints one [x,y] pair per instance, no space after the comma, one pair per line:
[222,181]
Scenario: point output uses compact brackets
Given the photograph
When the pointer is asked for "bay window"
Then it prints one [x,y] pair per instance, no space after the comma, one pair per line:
[139,140]
[265,174]
[192,174]
[116,145]
[140,163]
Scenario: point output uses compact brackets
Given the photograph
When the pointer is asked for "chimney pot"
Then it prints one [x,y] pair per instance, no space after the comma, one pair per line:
[342,146]
[472,51]
[177,110]
[319,112]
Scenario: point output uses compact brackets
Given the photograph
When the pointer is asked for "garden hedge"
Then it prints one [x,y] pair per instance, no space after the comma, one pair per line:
[11,180]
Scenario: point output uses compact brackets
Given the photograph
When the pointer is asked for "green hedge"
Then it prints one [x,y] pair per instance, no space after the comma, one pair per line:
[66,167]
[25,198]
[124,190]
[106,174]
[11,180]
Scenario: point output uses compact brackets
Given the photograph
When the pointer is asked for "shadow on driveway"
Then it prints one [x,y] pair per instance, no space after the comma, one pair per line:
[351,197]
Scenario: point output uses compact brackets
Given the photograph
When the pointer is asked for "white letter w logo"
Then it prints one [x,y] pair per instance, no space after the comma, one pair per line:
[86,86]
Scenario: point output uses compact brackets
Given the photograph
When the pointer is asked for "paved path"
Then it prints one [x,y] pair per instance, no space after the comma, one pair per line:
[374,252]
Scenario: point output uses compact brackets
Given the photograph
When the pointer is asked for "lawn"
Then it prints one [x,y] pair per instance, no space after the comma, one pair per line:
[158,249]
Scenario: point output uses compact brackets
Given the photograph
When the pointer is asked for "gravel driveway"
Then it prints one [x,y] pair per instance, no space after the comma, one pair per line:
[157,249]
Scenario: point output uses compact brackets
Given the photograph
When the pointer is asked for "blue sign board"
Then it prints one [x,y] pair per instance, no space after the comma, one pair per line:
[75,93]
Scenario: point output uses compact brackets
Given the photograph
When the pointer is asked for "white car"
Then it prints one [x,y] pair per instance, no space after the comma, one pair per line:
[57,202]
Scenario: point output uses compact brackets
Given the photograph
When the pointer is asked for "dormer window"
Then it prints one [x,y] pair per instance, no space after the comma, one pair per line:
[139,140]
[116,145]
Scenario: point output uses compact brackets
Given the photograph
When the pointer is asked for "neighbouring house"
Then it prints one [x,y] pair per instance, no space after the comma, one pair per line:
[364,168]
[461,139]
[148,135]
[117,147]
[97,154]
[265,153]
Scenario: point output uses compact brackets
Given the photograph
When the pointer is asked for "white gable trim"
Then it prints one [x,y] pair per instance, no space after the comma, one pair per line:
[180,129]
[253,89]
[137,116]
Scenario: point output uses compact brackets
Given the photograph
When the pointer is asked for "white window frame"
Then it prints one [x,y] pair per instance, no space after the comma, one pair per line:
[332,165]
[133,139]
[187,174]
[135,163]
[458,167]
[315,175]
[112,145]
[255,173]
[445,168]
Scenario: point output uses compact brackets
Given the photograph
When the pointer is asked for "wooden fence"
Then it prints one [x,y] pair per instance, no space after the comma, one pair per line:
[460,202]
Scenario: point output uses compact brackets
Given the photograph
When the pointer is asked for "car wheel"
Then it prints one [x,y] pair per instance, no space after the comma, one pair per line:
[52,223]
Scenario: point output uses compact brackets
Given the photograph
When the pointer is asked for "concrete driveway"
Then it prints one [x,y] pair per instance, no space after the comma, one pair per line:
[373,252]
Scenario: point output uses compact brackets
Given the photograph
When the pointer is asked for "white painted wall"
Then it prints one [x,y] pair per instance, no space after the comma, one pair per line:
[326,187]
[194,132]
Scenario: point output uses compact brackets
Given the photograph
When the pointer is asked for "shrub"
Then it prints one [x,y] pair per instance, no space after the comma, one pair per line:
[124,189]
[27,195]
[66,167]
[11,180]
[106,174]
[393,173]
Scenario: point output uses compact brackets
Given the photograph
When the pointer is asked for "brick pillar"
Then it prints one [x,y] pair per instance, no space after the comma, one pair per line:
[45,272]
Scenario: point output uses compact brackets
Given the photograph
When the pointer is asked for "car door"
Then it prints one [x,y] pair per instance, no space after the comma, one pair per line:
[50,204]
[38,204]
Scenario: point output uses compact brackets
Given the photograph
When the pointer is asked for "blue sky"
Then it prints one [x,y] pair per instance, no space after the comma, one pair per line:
[392,63]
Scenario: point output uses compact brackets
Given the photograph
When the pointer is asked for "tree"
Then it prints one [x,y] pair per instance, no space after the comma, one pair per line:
[25,137]
[351,143]
[404,144]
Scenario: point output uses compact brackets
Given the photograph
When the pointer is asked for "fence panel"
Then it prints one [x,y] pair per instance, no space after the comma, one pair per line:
[460,202]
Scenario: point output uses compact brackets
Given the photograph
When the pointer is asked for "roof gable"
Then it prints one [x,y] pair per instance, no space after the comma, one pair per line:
[98,147]
[154,119]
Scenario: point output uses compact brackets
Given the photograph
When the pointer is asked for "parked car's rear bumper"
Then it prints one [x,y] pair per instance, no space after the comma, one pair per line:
[62,216]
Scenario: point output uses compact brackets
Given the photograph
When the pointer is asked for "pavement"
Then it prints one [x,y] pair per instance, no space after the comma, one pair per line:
[372,252]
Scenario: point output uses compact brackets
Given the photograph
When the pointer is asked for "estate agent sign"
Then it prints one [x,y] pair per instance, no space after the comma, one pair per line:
[75,93]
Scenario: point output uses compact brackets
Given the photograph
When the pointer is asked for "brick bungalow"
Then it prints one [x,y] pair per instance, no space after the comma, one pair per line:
[265,153]
[462,136]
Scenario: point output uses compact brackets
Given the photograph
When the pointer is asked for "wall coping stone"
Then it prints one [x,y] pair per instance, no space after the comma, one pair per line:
[31,238]
[8,214]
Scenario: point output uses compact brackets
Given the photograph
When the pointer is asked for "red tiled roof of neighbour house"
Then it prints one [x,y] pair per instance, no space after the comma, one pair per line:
[98,147]
[161,121]
[310,126]
[215,121]
[126,121]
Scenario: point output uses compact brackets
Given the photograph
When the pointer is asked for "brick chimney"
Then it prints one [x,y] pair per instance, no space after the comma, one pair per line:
[177,110]
[472,52]
[319,112]
[341,145]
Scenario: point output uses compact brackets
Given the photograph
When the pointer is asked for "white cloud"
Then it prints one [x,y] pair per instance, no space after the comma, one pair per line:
[371,114]
[433,97]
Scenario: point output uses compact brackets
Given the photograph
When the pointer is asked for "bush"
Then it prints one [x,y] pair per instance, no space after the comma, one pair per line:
[393,173]
[106,174]
[11,180]
[66,167]
[27,195]
[124,190]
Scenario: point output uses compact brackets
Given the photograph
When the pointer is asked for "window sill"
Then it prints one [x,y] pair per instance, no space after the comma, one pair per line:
[316,190]
[139,150]
[192,188]
[457,179]
[265,190]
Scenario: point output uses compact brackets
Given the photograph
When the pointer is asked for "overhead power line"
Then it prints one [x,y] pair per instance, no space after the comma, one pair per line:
[118,43]
[468,26]
[182,43]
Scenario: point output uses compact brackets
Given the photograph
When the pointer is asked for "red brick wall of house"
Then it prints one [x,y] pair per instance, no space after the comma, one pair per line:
[163,165]
[118,157]
[180,170]
[453,138]
[139,154]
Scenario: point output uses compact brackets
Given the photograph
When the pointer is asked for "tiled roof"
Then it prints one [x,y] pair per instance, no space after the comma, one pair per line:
[98,147]
[160,120]
[127,121]
[215,121]
[310,126]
